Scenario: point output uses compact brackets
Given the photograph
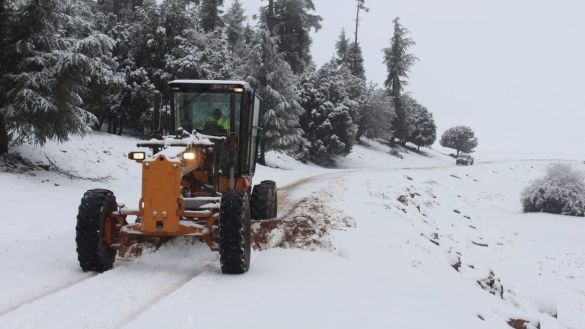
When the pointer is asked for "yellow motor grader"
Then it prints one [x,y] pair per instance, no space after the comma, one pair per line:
[196,183]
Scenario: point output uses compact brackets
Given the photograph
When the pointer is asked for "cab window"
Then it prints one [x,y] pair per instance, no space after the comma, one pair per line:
[208,113]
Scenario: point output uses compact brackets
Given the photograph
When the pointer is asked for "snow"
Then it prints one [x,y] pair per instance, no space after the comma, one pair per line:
[416,240]
[372,154]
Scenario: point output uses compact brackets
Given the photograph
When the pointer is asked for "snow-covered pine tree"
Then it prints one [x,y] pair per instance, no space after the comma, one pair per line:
[193,53]
[273,79]
[6,58]
[118,7]
[291,21]
[148,41]
[376,115]
[234,20]
[398,62]
[159,43]
[210,15]
[422,129]
[341,47]
[4,139]
[349,55]
[104,88]
[327,122]
[136,105]
[199,55]
[268,16]
[141,43]
[460,138]
[248,35]
[58,52]
[355,60]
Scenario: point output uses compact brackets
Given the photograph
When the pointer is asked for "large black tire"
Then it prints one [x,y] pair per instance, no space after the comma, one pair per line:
[234,233]
[264,200]
[92,253]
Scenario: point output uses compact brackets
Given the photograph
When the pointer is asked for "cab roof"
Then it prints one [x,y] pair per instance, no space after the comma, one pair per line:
[211,82]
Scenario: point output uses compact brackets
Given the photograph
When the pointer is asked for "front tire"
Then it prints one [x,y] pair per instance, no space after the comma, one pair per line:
[234,233]
[93,254]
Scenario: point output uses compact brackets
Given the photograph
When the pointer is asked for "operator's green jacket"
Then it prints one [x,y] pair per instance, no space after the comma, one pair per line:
[223,123]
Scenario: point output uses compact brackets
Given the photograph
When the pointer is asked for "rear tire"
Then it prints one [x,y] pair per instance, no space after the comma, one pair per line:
[234,233]
[264,200]
[93,254]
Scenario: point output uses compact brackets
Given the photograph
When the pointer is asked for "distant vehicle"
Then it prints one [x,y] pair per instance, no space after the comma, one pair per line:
[464,160]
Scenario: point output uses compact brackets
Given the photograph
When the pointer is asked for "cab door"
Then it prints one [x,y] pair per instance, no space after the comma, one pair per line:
[254,138]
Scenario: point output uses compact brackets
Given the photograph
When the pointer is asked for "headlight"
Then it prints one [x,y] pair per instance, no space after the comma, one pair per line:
[137,156]
[189,156]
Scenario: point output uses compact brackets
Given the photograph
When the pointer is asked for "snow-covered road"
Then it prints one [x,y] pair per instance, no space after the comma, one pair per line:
[443,247]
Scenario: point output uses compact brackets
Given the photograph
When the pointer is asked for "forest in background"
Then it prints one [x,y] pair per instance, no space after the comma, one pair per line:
[69,66]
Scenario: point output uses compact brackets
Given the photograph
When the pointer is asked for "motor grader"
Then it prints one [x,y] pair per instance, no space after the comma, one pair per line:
[197,182]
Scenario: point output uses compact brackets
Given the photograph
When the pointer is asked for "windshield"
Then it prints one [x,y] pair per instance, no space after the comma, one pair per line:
[208,113]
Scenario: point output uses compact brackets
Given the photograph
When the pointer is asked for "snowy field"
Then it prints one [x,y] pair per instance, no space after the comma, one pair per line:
[415,242]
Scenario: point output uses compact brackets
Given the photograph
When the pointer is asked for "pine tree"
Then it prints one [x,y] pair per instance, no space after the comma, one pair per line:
[376,114]
[58,52]
[155,44]
[104,88]
[328,124]
[291,21]
[341,48]
[210,15]
[460,138]
[141,45]
[6,59]
[234,20]
[199,55]
[248,36]
[422,129]
[398,62]
[272,77]
[136,104]
[118,7]
[348,53]
[356,60]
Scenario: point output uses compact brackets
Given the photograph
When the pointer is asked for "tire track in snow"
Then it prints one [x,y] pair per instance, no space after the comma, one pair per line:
[33,269]
[48,292]
[287,202]
[146,306]
[113,298]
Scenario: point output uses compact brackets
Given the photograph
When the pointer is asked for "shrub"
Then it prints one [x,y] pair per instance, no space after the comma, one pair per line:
[561,191]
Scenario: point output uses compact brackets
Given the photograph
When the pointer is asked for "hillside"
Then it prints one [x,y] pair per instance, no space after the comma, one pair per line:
[415,242]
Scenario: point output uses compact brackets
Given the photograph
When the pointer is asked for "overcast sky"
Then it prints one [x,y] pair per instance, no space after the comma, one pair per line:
[514,70]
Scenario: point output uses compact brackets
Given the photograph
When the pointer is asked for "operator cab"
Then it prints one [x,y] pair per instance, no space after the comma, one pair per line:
[220,108]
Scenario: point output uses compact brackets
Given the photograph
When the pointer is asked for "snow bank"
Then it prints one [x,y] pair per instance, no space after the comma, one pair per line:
[97,156]
[372,154]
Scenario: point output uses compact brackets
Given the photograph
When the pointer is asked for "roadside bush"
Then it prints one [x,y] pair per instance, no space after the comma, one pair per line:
[561,191]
